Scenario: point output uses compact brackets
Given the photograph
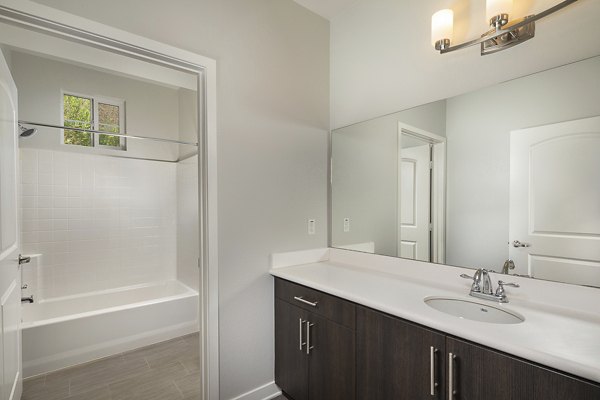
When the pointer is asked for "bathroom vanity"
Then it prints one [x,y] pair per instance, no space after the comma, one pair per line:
[355,326]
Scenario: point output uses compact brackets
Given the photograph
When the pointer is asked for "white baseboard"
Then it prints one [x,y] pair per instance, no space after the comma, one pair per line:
[265,392]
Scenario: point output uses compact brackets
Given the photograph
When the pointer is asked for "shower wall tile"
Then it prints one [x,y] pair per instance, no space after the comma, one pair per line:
[99,222]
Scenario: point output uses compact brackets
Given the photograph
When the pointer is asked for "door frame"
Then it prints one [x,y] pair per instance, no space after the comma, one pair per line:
[12,253]
[438,188]
[33,16]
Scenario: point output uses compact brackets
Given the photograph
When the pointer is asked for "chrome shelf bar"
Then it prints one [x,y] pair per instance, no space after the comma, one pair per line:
[525,21]
[128,136]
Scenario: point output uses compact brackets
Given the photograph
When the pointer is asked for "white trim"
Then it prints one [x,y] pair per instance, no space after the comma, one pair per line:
[438,203]
[438,195]
[265,392]
[159,53]
[89,57]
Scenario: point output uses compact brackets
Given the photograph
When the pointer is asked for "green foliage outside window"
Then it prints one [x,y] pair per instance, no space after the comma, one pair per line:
[78,114]
[108,121]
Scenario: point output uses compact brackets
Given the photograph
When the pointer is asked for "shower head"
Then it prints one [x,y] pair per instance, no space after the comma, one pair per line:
[26,132]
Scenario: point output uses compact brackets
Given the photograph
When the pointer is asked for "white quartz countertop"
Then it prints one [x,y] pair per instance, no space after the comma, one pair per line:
[558,337]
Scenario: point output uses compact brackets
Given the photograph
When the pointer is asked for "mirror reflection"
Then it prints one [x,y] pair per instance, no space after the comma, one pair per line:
[505,178]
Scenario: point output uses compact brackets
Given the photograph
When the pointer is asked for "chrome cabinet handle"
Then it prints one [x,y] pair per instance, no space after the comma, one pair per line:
[301,300]
[432,356]
[451,391]
[516,243]
[300,342]
[309,347]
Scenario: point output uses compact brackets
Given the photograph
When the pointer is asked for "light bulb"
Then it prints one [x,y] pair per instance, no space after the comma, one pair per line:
[442,26]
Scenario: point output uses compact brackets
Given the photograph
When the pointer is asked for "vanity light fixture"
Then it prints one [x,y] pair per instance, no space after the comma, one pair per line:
[503,33]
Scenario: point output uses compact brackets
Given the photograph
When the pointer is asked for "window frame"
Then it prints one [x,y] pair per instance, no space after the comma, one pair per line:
[95,123]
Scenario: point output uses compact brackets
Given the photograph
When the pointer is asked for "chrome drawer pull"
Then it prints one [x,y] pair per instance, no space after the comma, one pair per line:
[301,300]
[433,383]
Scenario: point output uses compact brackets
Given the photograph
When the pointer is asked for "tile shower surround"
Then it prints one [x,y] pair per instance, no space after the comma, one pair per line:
[99,222]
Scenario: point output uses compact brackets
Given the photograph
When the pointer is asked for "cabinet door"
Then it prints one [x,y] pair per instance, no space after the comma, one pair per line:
[394,359]
[477,373]
[332,361]
[550,385]
[291,362]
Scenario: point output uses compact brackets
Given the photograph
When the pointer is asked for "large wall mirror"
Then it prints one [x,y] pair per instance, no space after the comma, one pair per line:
[505,178]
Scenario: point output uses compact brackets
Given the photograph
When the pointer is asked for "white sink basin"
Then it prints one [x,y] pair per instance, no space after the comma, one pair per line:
[472,310]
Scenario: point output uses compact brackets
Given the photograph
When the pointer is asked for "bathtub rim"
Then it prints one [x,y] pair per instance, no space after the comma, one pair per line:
[189,292]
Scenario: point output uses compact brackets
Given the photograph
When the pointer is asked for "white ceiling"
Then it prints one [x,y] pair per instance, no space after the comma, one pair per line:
[325,8]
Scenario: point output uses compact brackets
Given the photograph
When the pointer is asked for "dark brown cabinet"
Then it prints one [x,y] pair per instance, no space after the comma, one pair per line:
[475,372]
[291,362]
[314,355]
[397,359]
[480,373]
[359,353]
[551,385]
[332,361]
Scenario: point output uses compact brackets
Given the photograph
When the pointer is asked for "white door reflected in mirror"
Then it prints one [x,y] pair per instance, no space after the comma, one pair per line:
[414,198]
[555,201]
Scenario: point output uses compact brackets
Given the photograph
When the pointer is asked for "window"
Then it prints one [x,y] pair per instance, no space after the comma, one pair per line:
[78,113]
[100,114]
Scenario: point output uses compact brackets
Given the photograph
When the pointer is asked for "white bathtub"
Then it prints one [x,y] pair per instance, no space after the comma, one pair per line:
[71,330]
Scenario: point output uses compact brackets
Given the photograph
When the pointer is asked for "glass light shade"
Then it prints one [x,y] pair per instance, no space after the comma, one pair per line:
[442,25]
[497,7]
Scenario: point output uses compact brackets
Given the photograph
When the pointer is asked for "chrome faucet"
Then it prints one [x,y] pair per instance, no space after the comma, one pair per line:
[482,286]
[27,299]
[508,265]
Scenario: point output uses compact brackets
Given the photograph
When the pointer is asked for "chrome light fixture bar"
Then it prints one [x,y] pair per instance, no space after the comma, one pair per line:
[502,35]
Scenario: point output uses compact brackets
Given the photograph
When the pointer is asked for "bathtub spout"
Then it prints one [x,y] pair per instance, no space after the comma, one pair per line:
[27,299]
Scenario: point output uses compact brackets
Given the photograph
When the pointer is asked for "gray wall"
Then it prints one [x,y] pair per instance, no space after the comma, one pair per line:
[382,59]
[188,235]
[7,53]
[478,131]
[273,115]
[365,176]
[151,110]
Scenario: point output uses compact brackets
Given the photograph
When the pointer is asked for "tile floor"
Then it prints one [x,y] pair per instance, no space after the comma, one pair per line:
[165,371]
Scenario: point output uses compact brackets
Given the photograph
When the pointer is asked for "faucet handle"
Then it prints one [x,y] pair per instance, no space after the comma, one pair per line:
[501,284]
[475,278]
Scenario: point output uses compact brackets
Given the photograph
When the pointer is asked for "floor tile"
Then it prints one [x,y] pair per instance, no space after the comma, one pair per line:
[164,371]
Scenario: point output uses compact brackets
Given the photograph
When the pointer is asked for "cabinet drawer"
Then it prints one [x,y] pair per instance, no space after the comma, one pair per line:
[330,307]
